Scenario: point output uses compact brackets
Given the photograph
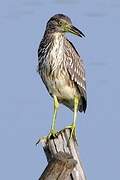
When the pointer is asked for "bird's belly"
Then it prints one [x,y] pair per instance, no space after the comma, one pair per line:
[62,89]
[65,91]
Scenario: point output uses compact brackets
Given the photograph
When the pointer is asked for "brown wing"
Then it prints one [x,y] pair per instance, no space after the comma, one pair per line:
[76,70]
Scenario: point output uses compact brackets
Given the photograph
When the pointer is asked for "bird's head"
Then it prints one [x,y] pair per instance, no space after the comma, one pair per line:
[61,23]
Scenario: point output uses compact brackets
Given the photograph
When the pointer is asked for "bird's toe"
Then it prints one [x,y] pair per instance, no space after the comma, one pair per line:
[52,134]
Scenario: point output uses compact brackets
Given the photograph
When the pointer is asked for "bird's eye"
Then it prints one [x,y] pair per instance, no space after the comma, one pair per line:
[60,23]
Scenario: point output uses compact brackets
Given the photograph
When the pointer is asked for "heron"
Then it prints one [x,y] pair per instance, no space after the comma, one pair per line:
[62,69]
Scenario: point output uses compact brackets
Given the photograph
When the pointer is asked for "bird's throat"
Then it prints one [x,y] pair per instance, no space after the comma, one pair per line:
[57,49]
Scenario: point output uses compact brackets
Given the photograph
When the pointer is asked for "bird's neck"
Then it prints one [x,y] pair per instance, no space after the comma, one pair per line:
[56,44]
[55,38]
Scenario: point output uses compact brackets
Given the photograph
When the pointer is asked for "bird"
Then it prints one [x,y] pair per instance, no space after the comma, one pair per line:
[62,69]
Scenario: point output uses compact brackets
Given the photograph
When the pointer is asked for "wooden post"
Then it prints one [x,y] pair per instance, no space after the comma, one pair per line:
[62,166]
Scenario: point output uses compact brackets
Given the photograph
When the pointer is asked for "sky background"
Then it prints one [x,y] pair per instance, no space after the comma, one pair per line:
[25,106]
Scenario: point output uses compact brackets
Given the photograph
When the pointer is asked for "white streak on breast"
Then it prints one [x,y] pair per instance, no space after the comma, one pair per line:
[57,51]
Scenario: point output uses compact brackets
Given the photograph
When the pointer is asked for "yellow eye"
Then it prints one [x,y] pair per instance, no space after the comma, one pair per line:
[60,23]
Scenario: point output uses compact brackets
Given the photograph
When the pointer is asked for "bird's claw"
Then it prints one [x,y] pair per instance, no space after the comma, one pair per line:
[52,134]
[40,139]
[72,128]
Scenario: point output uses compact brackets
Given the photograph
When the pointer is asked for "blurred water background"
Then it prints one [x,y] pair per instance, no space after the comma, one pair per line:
[25,107]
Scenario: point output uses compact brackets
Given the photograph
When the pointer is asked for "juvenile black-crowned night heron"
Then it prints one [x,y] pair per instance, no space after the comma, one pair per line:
[62,69]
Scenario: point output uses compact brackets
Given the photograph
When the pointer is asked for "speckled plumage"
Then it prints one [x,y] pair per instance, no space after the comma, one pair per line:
[60,66]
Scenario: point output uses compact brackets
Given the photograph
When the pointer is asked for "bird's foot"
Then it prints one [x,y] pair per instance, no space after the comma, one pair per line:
[40,139]
[52,134]
[72,128]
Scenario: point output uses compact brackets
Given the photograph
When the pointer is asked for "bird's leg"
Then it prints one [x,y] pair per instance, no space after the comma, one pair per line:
[53,131]
[73,125]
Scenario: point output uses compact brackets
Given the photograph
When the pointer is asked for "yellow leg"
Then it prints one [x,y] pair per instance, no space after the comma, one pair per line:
[73,125]
[53,131]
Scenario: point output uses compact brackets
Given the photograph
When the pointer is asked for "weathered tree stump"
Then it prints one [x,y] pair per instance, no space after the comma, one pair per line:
[63,158]
[60,167]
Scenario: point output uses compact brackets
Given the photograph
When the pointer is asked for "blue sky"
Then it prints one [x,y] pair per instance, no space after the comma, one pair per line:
[25,106]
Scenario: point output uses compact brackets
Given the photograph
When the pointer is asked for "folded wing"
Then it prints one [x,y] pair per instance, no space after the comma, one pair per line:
[76,71]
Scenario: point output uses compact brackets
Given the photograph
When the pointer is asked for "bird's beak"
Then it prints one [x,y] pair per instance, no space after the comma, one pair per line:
[72,29]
